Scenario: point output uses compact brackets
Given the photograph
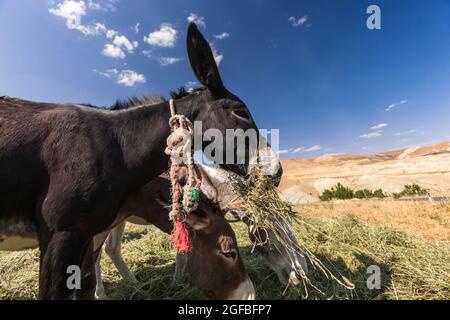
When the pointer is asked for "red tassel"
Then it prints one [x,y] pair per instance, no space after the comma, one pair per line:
[180,237]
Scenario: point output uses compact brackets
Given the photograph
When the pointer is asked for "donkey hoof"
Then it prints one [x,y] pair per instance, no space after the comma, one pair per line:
[131,280]
[179,280]
[102,296]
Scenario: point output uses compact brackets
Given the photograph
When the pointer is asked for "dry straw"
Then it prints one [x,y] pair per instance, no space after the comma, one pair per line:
[262,204]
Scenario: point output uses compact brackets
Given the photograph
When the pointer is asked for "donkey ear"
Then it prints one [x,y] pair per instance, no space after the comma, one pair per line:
[202,59]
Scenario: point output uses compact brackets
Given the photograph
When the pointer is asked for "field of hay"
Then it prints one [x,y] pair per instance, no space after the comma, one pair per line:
[408,241]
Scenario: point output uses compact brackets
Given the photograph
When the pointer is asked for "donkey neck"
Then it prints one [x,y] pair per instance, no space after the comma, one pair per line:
[142,133]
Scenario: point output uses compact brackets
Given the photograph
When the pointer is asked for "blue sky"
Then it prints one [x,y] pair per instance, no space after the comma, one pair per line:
[309,68]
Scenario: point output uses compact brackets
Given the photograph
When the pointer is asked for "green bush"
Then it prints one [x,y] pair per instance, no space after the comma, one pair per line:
[364,194]
[337,192]
[327,195]
[379,194]
[411,190]
[343,193]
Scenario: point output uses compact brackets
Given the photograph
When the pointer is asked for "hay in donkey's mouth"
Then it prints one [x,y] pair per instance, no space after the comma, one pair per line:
[263,205]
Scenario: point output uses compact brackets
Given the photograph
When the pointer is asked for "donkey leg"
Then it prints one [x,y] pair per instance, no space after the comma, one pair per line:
[99,240]
[113,249]
[100,293]
[64,251]
[181,275]
[87,290]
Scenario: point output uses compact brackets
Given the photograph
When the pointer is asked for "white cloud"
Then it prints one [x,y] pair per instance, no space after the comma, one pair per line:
[376,131]
[110,73]
[128,78]
[190,85]
[99,27]
[94,5]
[147,53]
[222,35]
[162,60]
[371,135]
[91,30]
[218,56]
[114,52]
[313,148]
[298,150]
[73,11]
[394,105]
[136,28]
[102,5]
[198,20]
[298,22]
[123,42]
[406,132]
[165,37]
[379,126]
[301,150]
[165,61]
[111,33]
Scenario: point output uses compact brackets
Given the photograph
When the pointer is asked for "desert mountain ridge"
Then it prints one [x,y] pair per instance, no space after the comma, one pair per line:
[429,166]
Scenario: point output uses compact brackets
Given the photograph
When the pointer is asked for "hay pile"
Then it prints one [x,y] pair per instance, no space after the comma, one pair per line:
[262,205]
[412,267]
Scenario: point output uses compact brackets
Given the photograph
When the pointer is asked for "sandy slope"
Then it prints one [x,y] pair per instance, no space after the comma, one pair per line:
[428,166]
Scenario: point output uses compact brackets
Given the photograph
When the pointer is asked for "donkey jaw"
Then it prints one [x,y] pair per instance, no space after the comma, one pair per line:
[268,160]
[289,271]
[245,291]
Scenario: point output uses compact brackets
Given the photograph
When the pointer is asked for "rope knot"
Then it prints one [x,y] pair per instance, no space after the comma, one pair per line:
[184,198]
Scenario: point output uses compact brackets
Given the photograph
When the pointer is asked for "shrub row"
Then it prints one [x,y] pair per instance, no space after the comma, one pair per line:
[341,192]
[411,190]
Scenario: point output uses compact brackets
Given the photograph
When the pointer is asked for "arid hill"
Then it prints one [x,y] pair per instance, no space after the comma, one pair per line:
[429,166]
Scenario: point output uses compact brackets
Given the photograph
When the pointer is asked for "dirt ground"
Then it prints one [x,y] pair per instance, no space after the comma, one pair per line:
[429,166]
[425,219]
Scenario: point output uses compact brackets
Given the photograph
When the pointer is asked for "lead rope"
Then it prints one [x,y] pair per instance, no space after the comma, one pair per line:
[184,198]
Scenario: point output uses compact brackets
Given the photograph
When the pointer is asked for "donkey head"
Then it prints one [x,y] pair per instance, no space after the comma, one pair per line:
[220,111]
[287,263]
[215,265]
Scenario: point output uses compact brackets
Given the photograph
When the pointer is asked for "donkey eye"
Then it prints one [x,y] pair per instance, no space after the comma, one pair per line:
[229,254]
[241,113]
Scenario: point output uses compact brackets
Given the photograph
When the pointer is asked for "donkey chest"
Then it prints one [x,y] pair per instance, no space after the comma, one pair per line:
[17,234]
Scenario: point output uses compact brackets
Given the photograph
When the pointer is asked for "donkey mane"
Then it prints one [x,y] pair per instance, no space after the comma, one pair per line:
[134,101]
[121,104]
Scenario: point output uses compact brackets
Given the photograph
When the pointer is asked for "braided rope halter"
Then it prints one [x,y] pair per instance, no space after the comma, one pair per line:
[184,198]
